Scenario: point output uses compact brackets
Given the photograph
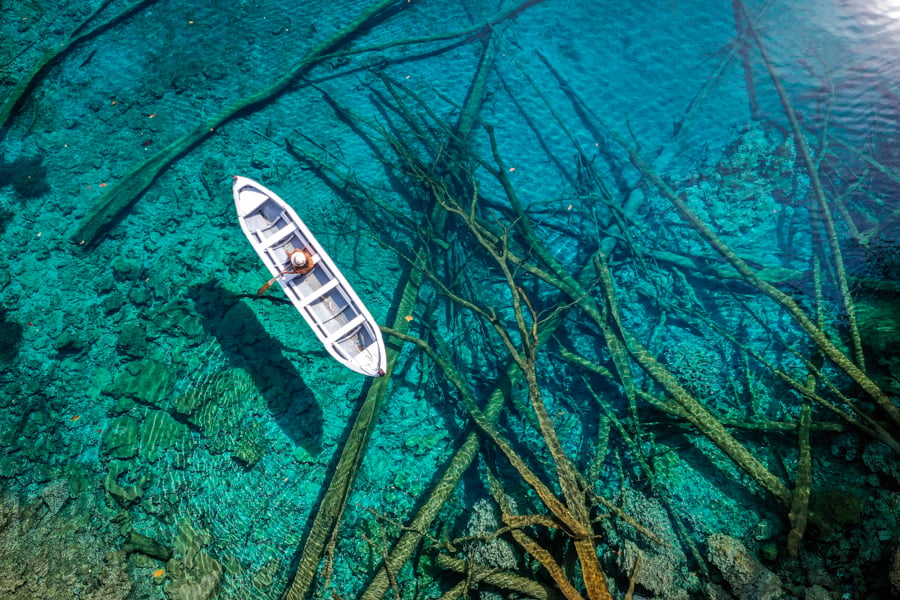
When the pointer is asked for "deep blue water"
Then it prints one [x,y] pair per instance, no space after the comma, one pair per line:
[166,433]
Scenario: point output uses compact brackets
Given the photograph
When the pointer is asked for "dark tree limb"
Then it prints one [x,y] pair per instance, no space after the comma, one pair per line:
[112,205]
[27,83]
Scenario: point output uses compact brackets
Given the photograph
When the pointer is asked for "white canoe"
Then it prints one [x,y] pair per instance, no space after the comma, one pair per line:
[318,290]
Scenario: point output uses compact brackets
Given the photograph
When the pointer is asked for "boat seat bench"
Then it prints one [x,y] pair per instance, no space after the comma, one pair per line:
[279,235]
[346,329]
[318,293]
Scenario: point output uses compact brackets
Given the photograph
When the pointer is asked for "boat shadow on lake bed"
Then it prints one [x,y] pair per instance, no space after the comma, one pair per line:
[247,345]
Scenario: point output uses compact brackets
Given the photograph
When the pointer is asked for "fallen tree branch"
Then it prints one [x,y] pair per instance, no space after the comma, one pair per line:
[112,205]
[27,83]
[500,579]
[818,191]
[751,276]
[452,471]
[799,513]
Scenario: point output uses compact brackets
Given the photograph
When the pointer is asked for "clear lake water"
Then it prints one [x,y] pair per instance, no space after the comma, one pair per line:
[637,264]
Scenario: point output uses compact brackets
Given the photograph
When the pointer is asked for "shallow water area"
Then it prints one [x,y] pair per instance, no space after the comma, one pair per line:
[637,268]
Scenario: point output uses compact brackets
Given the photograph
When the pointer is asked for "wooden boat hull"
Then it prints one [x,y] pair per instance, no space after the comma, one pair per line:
[322,294]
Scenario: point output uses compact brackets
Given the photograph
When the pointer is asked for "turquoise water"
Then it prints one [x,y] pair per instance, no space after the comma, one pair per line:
[167,433]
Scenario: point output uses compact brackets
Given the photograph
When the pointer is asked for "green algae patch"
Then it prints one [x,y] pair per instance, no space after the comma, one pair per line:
[147,381]
[120,440]
[879,323]
[125,483]
[248,450]
[161,434]
[420,445]
[175,318]
[194,573]
[143,544]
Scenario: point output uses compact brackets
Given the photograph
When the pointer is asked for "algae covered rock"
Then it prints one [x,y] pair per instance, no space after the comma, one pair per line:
[422,444]
[188,403]
[215,403]
[125,483]
[493,552]
[265,577]
[878,320]
[120,440]
[147,546]
[127,269]
[663,569]
[248,450]
[69,342]
[146,381]
[196,579]
[54,496]
[177,319]
[193,573]
[113,303]
[894,573]
[132,341]
[219,406]
[747,577]
[10,337]
[161,434]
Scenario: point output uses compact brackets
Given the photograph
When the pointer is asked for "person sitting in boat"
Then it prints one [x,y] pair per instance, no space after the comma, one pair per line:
[301,261]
